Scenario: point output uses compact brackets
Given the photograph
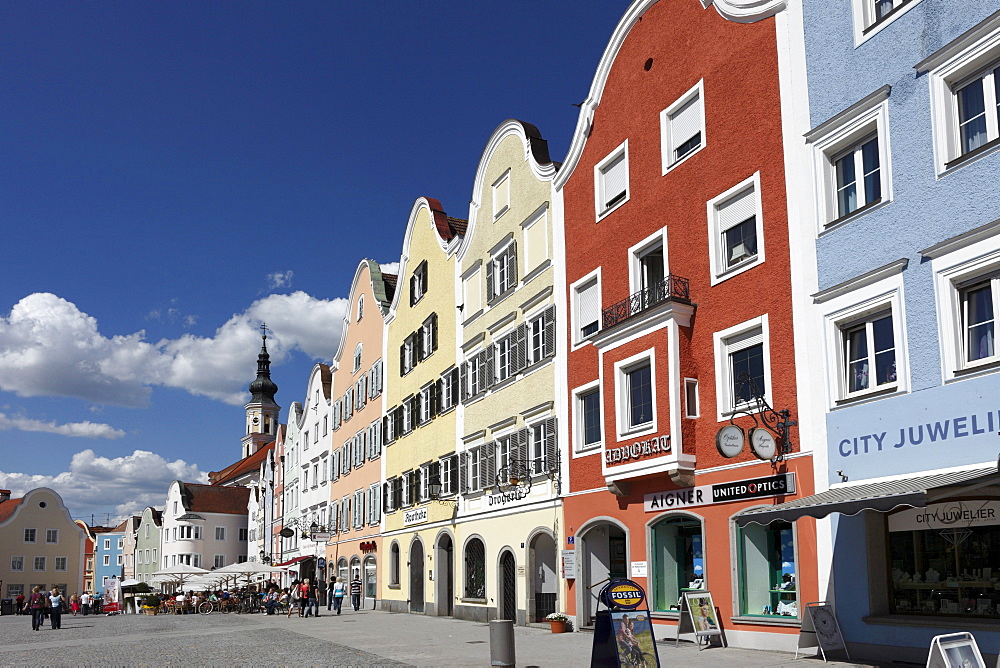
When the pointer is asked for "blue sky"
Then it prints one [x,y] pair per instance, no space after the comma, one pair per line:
[174,173]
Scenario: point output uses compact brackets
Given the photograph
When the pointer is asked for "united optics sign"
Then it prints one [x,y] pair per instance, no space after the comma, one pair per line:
[724,492]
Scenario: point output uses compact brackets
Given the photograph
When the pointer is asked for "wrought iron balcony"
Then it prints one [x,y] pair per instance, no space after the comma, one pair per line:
[672,288]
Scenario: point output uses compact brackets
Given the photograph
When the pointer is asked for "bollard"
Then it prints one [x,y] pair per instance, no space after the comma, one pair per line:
[502,642]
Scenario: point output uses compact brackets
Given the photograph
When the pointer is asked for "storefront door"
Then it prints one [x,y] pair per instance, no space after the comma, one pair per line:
[508,587]
[603,555]
[544,581]
[416,577]
[445,576]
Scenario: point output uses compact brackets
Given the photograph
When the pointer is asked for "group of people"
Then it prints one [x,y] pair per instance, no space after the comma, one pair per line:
[52,604]
[306,597]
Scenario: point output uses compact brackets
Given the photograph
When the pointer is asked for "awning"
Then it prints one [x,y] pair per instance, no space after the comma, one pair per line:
[882,496]
[293,561]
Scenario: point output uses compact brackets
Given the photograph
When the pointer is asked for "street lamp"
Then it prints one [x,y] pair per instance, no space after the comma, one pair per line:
[434,491]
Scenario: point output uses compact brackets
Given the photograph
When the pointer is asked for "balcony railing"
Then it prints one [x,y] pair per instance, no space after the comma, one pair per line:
[672,288]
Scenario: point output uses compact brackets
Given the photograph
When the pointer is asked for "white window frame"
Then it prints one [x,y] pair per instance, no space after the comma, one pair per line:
[865,25]
[534,257]
[848,130]
[425,404]
[361,307]
[950,68]
[578,394]
[725,345]
[955,269]
[717,250]
[667,141]
[358,351]
[689,410]
[621,151]
[18,565]
[449,485]
[472,284]
[508,281]
[54,533]
[501,195]
[576,288]
[500,342]
[640,250]
[625,430]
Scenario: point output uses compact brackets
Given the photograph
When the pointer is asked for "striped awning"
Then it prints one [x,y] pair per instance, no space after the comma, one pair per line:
[851,499]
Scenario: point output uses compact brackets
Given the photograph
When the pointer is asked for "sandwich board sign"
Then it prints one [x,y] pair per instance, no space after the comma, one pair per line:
[820,629]
[955,650]
[623,634]
[698,616]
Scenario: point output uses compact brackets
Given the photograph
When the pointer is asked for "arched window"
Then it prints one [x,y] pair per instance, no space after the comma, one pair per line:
[394,564]
[357,358]
[370,579]
[475,569]
[361,307]
[678,559]
[355,568]
[767,570]
[342,572]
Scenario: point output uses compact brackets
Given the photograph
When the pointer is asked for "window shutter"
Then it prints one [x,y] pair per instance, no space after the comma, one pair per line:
[615,180]
[413,289]
[684,124]
[488,464]
[402,360]
[490,289]
[418,344]
[399,420]
[423,275]
[551,448]
[454,386]
[463,473]
[487,370]
[434,332]
[434,399]
[465,379]
[334,516]
[385,497]
[523,437]
[737,209]
[589,308]
[549,322]
[512,263]
[416,402]
[519,347]
[376,508]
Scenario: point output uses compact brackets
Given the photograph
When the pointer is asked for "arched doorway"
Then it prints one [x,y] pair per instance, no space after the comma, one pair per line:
[603,553]
[416,577]
[370,583]
[507,605]
[544,578]
[444,592]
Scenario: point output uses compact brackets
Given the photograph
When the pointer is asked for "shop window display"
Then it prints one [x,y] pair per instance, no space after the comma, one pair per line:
[678,561]
[950,568]
[768,584]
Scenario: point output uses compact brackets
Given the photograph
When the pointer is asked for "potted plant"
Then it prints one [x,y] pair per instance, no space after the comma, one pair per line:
[151,604]
[557,622]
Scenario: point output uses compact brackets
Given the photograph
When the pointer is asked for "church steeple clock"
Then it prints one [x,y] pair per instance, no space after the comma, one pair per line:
[262,411]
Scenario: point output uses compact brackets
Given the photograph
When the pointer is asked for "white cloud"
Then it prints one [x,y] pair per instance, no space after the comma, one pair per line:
[86,429]
[389,267]
[120,486]
[48,347]
[280,279]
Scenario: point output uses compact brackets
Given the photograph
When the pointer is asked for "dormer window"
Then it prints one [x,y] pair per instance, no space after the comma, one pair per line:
[361,307]
[418,283]
[357,358]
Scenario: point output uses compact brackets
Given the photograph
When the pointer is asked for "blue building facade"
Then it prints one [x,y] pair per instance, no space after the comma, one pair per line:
[903,153]
[108,558]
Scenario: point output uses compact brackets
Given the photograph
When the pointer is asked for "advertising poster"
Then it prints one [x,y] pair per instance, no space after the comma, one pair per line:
[703,613]
[634,635]
[112,596]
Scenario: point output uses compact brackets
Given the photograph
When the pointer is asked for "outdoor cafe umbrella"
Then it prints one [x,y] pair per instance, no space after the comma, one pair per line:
[181,573]
[247,569]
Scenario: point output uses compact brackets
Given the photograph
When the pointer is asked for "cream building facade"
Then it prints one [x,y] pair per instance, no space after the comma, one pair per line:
[510,466]
[420,399]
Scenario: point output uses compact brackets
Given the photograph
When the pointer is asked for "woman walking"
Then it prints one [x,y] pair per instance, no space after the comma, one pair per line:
[339,589]
[293,595]
[36,606]
[56,601]
[74,604]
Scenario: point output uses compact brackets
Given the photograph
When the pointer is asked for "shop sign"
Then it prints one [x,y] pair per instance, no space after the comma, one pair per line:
[637,569]
[657,445]
[705,495]
[729,440]
[504,498]
[924,433]
[414,516]
[368,546]
[569,564]
[953,515]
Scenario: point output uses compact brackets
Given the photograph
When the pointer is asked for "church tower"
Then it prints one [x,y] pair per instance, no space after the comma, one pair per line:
[262,411]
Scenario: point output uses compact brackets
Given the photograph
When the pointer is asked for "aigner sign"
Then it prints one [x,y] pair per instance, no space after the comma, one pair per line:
[724,492]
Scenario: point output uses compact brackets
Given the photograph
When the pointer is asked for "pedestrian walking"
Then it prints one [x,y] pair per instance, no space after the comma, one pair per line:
[56,602]
[339,589]
[293,594]
[85,603]
[329,594]
[36,605]
[74,604]
[356,592]
[312,607]
[304,590]
[20,604]
[320,592]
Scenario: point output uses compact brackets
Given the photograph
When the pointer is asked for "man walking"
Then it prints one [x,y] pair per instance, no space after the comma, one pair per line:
[85,603]
[356,591]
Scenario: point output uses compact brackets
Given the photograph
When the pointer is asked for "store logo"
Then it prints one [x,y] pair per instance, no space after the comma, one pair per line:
[625,594]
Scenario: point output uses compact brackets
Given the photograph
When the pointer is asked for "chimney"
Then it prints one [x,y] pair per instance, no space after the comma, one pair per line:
[4,495]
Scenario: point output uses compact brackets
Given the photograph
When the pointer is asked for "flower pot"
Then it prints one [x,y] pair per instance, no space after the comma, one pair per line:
[150,611]
[557,626]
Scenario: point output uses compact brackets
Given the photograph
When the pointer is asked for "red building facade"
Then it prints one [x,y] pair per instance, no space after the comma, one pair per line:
[679,294]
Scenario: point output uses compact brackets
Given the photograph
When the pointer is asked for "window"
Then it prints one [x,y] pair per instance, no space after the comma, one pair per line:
[588,417]
[611,181]
[305,482]
[691,409]
[871,16]
[536,240]
[449,475]
[767,570]
[541,446]
[418,283]
[504,358]
[218,561]
[475,569]
[501,195]
[870,354]
[118,560]
[107,543]
[359,509]
[357,357]
[682,128]
[736,228]
[315,475]
[501,271]
[472,293]
[851,157]
[586,307]
[374,505]
[428,398]
[14,590]
[190,532]
[474,468]
[678,561]
[742,365]
[636,394]
[541,336]
[407,355]
[448,390]
[361,307]
[965,94]
[394,564]
[408,414]
[17,563]
[428,336]
[979,308]
[52,536]
[107,560]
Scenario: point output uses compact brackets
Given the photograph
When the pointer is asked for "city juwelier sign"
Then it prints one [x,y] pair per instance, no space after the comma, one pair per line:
[724,492]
